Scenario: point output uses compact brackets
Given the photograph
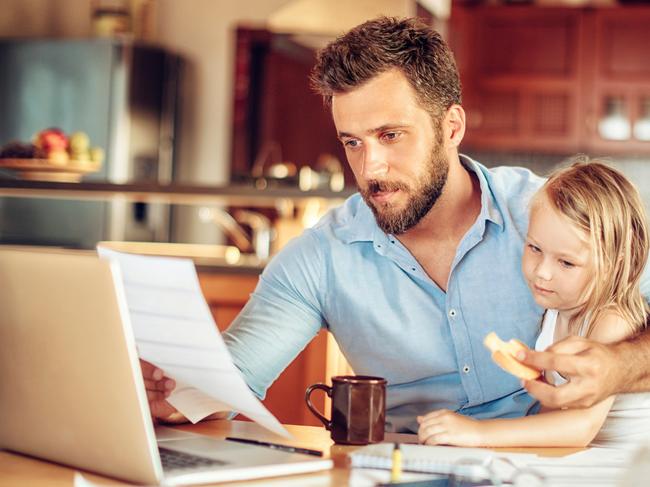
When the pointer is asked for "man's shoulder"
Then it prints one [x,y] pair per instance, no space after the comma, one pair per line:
[348,222]
[512,189]
[306,254]
[513,182]
[345,223]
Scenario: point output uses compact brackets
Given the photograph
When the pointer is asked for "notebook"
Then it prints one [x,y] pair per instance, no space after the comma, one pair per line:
[72,392]
[464,462]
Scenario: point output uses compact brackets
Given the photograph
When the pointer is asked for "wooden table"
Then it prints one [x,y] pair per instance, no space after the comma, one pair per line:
[21,470]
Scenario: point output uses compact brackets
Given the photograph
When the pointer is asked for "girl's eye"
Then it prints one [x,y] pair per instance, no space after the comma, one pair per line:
[567,264]
[535,249]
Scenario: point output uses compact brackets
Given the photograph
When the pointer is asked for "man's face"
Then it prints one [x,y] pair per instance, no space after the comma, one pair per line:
[394,149]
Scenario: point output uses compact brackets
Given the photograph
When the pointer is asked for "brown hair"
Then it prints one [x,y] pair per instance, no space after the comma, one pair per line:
[385,43]
[601,202]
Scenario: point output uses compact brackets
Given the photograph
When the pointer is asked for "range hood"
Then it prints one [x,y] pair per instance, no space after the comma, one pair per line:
[328,18]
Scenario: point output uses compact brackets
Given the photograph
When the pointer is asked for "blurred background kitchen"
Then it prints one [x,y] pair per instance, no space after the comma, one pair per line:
[215,147]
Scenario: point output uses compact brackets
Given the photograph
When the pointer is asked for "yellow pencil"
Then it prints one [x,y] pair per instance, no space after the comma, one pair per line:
[396,471]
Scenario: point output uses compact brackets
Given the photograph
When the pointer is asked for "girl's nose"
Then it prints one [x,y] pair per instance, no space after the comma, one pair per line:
[543,270]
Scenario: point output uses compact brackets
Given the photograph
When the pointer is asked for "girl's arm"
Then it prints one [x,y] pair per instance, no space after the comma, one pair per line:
[566,427]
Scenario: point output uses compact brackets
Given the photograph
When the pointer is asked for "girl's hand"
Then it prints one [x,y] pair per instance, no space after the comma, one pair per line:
[444,427]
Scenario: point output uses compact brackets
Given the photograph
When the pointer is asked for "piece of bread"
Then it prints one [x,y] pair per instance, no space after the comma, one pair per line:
[504,353]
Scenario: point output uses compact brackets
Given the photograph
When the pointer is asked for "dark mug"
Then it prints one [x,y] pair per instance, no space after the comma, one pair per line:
[358,408]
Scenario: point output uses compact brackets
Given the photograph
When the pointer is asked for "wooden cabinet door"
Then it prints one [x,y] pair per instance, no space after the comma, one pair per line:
[618,40]
[521,74]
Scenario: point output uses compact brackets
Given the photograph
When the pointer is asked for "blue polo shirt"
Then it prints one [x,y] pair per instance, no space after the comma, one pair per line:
[390,319]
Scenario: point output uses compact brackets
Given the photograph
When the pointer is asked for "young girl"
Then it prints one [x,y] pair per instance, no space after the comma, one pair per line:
[586,249]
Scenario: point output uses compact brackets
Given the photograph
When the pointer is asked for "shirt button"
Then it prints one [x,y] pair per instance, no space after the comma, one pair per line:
[466,369]
[452,313]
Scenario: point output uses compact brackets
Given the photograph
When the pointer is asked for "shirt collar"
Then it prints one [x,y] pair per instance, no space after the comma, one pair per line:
[361,226]
[489,208]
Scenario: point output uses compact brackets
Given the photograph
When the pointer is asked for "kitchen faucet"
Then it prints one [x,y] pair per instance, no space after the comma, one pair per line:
[261,232]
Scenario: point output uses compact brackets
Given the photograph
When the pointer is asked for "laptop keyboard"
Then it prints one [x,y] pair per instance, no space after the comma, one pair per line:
[176,460]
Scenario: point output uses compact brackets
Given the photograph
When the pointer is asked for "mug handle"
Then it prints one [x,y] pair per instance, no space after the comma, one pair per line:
[312,408]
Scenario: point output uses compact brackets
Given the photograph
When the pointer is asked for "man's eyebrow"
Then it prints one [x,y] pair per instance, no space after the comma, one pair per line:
[383,128]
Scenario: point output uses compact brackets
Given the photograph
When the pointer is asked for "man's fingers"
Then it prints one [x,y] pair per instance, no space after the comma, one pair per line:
[150,371]
[156,395]
[161,409]
[564,364]
[567,395]
[571,345]
[165,385]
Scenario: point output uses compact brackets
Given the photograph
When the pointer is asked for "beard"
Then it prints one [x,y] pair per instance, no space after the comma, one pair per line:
[421,198]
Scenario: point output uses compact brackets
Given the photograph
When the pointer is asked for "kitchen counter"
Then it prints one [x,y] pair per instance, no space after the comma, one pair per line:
[234,195]
[208,259]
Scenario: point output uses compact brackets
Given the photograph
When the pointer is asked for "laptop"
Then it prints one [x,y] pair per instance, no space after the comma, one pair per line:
[71,390]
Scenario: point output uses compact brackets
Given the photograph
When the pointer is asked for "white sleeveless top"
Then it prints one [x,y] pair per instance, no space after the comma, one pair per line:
[628,421]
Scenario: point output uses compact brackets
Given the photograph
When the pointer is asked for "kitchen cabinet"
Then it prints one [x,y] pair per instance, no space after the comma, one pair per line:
[619,80]
[277,117]
[552,79]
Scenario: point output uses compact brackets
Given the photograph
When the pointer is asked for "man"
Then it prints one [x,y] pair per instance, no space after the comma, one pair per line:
[412,273]
[595,370]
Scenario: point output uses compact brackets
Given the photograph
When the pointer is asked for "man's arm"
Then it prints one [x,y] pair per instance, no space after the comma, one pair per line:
[594,370]
[279,320]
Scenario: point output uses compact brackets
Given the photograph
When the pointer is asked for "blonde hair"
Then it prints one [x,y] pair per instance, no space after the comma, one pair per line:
[601,202]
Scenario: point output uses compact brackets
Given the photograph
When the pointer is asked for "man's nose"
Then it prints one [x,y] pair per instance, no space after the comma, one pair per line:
[374,162]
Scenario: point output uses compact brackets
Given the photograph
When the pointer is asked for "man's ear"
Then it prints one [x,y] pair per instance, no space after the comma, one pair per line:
[454,125]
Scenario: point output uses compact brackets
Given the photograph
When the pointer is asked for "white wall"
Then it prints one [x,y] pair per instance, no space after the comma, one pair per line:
[45,18]
[202,31]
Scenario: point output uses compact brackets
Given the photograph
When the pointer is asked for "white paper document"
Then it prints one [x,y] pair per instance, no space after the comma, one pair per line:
[174,330]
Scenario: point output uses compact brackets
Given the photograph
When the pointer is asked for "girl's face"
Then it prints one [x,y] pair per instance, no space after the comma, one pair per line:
[557,263]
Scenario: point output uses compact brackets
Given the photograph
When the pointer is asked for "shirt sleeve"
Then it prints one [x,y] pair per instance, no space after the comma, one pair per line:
[282,315]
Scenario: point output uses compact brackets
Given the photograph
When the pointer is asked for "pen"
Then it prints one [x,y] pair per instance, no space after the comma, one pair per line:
[396,470]
[277,446]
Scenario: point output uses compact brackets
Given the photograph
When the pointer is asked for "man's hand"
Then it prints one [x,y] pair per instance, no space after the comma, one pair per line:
[593,370]
[444,427]
[159,388]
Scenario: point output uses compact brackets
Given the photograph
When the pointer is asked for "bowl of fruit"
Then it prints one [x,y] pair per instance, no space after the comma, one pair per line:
[52,156]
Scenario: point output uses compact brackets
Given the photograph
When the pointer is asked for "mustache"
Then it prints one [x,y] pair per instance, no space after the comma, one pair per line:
[376,186]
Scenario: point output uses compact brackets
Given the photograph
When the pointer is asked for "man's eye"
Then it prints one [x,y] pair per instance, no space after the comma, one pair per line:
[391,136]
[350,143]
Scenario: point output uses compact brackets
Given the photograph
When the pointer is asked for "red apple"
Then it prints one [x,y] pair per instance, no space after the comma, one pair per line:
[50,140]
